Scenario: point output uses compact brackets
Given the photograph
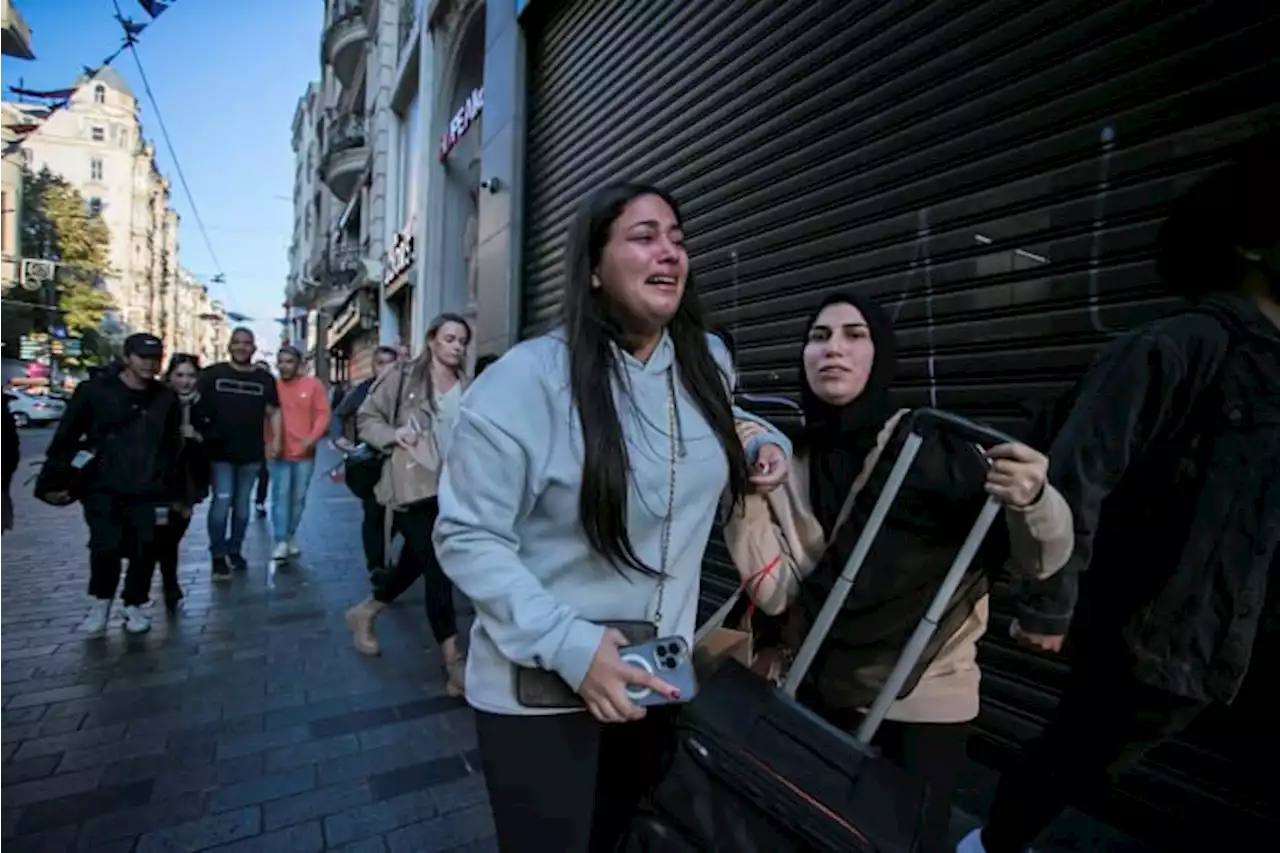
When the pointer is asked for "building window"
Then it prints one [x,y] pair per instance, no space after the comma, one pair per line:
[95,169]
[99,94]
[98,134]
[95,206]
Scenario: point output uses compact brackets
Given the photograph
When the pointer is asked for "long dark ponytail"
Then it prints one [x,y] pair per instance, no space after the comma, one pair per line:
[593,327]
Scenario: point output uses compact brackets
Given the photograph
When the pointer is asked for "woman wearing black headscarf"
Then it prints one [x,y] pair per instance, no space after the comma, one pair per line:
[792,544]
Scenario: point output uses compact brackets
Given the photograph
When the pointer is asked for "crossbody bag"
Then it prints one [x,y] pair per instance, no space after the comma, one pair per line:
[542,688]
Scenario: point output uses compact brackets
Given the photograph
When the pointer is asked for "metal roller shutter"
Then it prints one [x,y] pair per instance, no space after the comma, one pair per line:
[994,172]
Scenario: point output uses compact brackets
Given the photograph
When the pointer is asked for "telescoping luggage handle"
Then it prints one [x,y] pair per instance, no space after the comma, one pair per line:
[922,424]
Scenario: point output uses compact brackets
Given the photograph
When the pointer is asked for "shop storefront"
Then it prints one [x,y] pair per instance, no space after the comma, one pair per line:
[353,337]
[397,286]
[993,173]
[458,34]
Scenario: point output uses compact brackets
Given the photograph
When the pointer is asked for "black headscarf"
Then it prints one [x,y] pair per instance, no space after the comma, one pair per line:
[837,439]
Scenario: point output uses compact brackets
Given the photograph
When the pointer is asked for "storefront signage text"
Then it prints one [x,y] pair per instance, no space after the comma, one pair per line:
[400,258]
[348,318]
[462,121]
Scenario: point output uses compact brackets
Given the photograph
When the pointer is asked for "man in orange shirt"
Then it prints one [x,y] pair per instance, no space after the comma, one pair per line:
[304,420]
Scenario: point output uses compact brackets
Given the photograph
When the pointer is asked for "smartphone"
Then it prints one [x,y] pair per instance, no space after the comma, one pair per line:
[670,659]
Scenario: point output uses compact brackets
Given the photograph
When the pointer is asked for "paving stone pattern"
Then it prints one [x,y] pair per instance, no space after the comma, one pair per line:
[247,723]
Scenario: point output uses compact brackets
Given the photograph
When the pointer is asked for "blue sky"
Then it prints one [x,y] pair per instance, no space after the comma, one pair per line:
[227,75]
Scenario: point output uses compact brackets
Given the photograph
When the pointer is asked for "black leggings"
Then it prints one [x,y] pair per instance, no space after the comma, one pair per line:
[566,782]
[168,540]
[419,558]
[371,534]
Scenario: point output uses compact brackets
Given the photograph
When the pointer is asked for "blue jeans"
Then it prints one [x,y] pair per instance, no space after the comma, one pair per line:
[232,488]
[289,481]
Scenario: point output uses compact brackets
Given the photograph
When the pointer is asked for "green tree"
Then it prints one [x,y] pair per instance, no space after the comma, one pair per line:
[58,226]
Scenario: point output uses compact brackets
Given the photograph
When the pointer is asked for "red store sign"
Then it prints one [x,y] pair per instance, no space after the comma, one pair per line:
[462,121]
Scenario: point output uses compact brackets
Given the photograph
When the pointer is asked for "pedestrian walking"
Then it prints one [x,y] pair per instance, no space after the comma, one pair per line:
[248,407]
[12,453]
[304,421]
[409,415]
[114,451]
[1170,458]
[372,532]
[585,473]
[192,474]
[807,530]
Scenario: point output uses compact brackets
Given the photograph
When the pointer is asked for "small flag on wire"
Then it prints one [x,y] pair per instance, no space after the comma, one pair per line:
[50,95]
[155,8]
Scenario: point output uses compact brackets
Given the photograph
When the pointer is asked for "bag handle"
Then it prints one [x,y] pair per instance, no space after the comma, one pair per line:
[922,424]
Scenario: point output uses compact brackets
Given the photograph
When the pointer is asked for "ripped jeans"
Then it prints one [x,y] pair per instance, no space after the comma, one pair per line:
[232,487]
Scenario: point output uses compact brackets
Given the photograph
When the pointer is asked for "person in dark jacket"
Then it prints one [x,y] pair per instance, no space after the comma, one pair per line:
[1170,459]
[118,440]
[199,428]
[344,414]
[12,452]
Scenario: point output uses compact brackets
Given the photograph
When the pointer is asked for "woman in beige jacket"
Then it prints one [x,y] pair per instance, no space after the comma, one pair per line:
[409,416]
[791,544]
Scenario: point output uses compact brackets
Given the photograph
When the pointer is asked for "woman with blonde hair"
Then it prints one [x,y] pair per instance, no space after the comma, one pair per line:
[409,416]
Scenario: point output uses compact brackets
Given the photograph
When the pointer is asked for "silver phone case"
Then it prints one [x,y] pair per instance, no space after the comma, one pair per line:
[669,658]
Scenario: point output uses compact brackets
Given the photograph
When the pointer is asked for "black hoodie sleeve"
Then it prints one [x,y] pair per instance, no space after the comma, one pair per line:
[12,443]
[72,428]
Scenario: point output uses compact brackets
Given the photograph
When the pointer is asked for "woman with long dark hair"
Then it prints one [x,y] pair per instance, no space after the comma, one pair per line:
[806,530]
[409,415]
[199,430]
[587,468]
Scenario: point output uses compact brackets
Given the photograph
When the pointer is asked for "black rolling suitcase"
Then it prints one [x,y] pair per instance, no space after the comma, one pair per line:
[755,772]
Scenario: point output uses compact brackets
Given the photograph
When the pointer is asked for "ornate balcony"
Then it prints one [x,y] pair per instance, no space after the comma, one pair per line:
[345,37]
[346,154]
[346,263]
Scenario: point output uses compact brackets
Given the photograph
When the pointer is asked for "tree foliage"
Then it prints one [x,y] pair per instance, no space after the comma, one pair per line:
[57,225]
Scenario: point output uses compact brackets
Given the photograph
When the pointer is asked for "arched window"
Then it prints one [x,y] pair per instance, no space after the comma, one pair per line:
[99,94]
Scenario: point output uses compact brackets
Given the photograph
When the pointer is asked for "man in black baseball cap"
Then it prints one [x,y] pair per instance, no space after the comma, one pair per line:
[114,452]
[142,354]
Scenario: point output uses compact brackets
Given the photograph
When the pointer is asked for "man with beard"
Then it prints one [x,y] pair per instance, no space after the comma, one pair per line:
[114,451]
[246,401]
[1170,459]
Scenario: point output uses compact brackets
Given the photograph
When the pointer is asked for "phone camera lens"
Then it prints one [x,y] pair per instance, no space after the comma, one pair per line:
[662,651]
[669,662]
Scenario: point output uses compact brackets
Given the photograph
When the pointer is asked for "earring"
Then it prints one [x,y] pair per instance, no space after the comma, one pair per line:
[596,283]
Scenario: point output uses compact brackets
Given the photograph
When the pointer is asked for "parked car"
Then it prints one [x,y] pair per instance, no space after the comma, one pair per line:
[35,410]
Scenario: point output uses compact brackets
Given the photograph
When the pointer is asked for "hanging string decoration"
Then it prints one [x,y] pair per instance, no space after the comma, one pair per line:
[53,100]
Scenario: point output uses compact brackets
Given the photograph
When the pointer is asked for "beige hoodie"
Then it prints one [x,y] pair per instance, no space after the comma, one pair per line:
[781,526]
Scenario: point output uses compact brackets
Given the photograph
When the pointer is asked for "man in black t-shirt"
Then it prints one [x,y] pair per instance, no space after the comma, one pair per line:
[245,398]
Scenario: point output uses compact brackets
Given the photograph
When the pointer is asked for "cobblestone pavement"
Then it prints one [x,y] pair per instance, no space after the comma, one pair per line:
[247,723]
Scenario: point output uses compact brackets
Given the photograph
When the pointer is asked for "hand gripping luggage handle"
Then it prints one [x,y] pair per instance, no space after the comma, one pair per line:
[923,423]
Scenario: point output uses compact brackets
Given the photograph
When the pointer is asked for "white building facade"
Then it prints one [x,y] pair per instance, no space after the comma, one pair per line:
[96,144]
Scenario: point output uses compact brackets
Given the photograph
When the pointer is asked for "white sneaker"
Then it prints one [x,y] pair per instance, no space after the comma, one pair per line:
[95,621]
[136,620]
[971,843]
[294,550]
[281,552]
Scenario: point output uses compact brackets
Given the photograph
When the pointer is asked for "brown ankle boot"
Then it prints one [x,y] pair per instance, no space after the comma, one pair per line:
[360,620]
